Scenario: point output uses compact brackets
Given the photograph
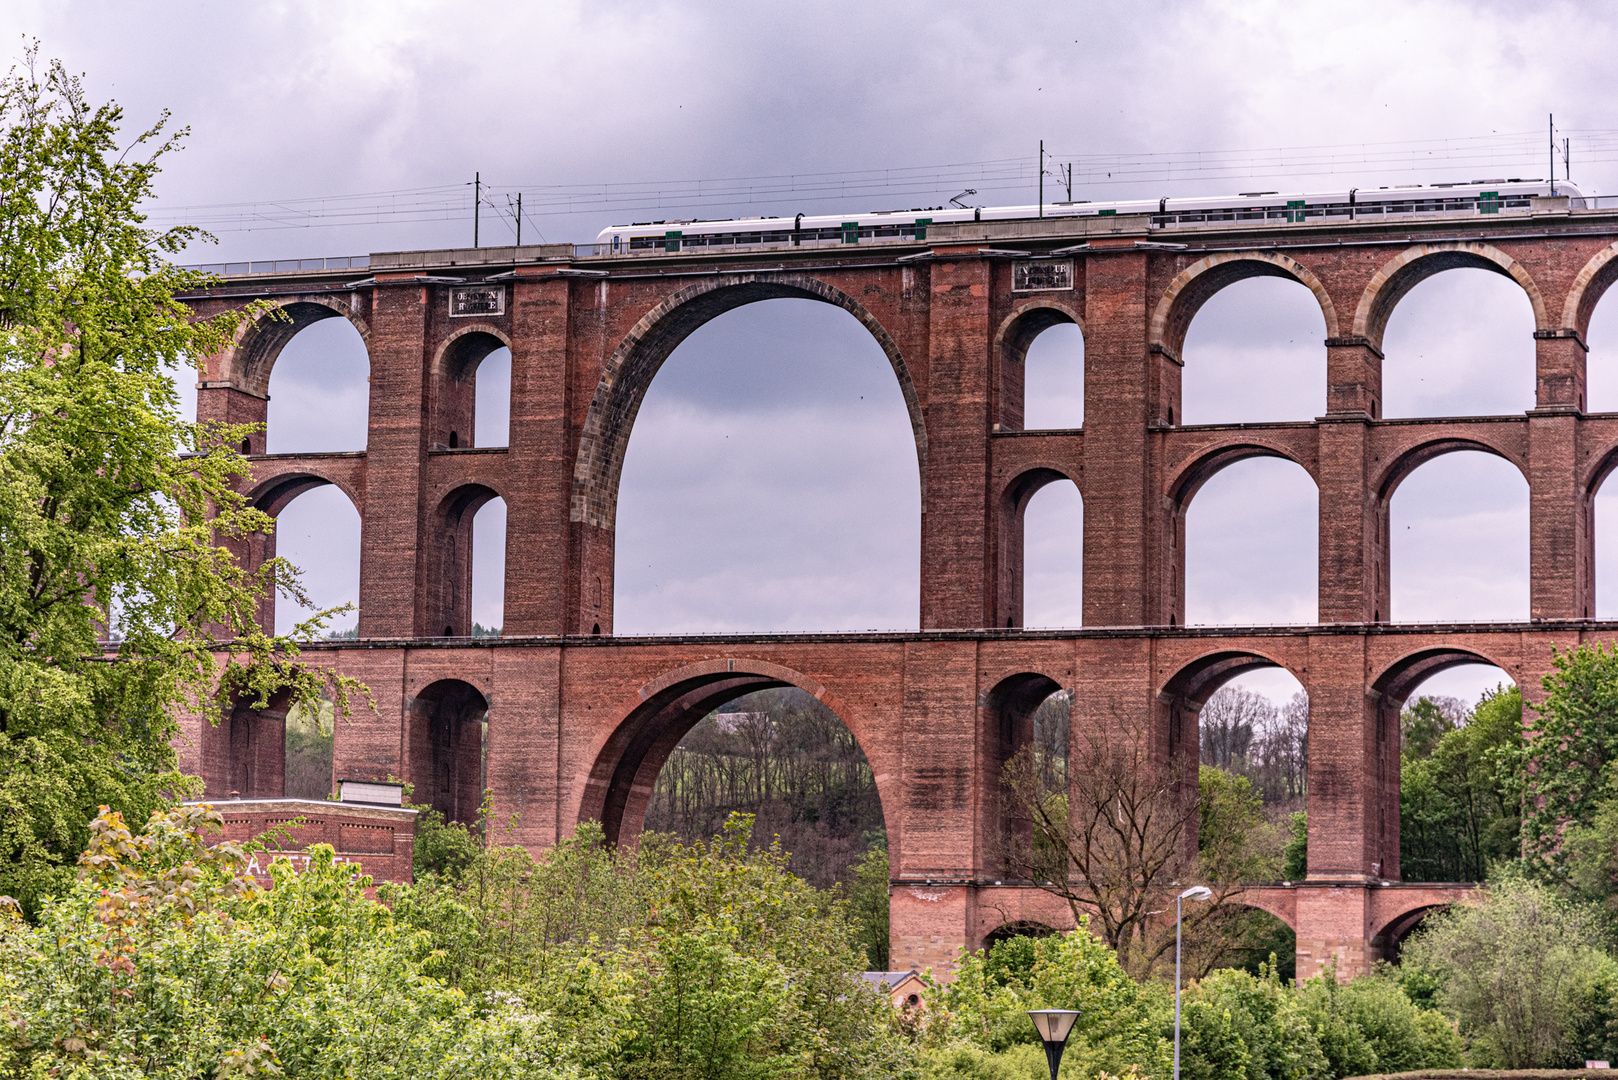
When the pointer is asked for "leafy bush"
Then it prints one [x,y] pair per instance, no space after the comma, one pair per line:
[1266,1015]
[1120,1022]
[1369,1026]
[163,960]
[1524,972]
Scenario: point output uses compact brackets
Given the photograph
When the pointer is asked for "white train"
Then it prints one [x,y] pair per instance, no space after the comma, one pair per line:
[1254,207]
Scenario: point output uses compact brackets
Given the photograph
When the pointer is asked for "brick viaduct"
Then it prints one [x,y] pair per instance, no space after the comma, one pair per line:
[579,721]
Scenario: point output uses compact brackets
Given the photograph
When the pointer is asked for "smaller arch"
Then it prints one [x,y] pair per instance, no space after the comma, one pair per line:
[1197,283]
[1412,458]
[450,559]
[1027,321]
[1195,682]
[1399,678]
[1017,928]
[444,733]
[1405,271]
[273,493]
[1012,341]
[259,342]
[1280,902]
[1589,286]
[1184,484]
[460,353]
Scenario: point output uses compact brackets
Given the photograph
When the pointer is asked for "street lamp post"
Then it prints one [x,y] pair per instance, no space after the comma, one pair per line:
[1053,1026]
[1195,892]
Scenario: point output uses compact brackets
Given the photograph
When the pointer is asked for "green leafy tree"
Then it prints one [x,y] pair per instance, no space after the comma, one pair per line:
[1458,811]
[165,961]
[111,506]
[1368,1025]
[1560,775]
[1120,1021]
[1524,972]
[868,903]
[1271,1023]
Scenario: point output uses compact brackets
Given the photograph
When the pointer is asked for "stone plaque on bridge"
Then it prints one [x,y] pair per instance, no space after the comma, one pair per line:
[1042,275]
[468,300]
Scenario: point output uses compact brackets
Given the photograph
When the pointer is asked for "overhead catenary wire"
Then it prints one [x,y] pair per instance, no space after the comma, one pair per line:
[1000,180]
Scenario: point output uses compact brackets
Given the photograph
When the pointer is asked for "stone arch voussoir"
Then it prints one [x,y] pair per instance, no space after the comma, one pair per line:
[463,350]
[1411,458]
[1196,285]
[1589,286]
[259,341]
[1028,320]
[630,369]
[1405,271]
[272,493]
[642,731]
[1186,481]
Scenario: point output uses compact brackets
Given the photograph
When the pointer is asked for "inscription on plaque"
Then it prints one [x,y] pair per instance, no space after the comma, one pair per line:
[1042,276]
[465,300]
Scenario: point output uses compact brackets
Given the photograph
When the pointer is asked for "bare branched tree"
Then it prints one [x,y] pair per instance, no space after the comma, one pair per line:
[1115,846]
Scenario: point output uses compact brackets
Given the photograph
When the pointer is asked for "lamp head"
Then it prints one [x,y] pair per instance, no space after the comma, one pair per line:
[1197,892]
[1053,1025]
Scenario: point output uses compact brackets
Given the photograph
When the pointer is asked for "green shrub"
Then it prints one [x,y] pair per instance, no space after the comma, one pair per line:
[163,960]
[1271,1023]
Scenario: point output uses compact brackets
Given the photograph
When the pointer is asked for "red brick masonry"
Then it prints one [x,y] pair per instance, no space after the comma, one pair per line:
[380,839]
[579,722]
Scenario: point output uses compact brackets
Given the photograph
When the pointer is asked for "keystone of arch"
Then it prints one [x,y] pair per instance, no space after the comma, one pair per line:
[635,362]
[1588,287]
[1415,264]
[258,342]
[1197,283]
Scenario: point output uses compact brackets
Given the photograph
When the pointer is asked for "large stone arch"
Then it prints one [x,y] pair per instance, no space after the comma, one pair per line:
[1589,286]
[1398,678]
[1196,285]
[625,758]
[632,366]
[1409,268]
[1012,339]
[259,342]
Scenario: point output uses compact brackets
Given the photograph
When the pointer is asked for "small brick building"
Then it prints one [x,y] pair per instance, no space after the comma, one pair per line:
[380,839]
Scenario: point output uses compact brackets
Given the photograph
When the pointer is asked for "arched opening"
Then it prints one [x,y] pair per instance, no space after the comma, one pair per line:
[311,731]
[1053,557]
[1458,540]
[1250,538]
[1603,510]
[1053,378]
[1459,343]
[244,754]
[1443,716]
[1026,733]
[446,733]
[1600,333]
[466,577]
[472,405]
[762,739]
[771,481]
[1019,929]
[1389,941]
[1252,732]
[318,531]
[786,759]
[319,388]
[1456,712]
[1254,353]
[489,569]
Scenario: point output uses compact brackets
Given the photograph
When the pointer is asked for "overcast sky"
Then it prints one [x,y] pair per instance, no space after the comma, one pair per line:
[771,481]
